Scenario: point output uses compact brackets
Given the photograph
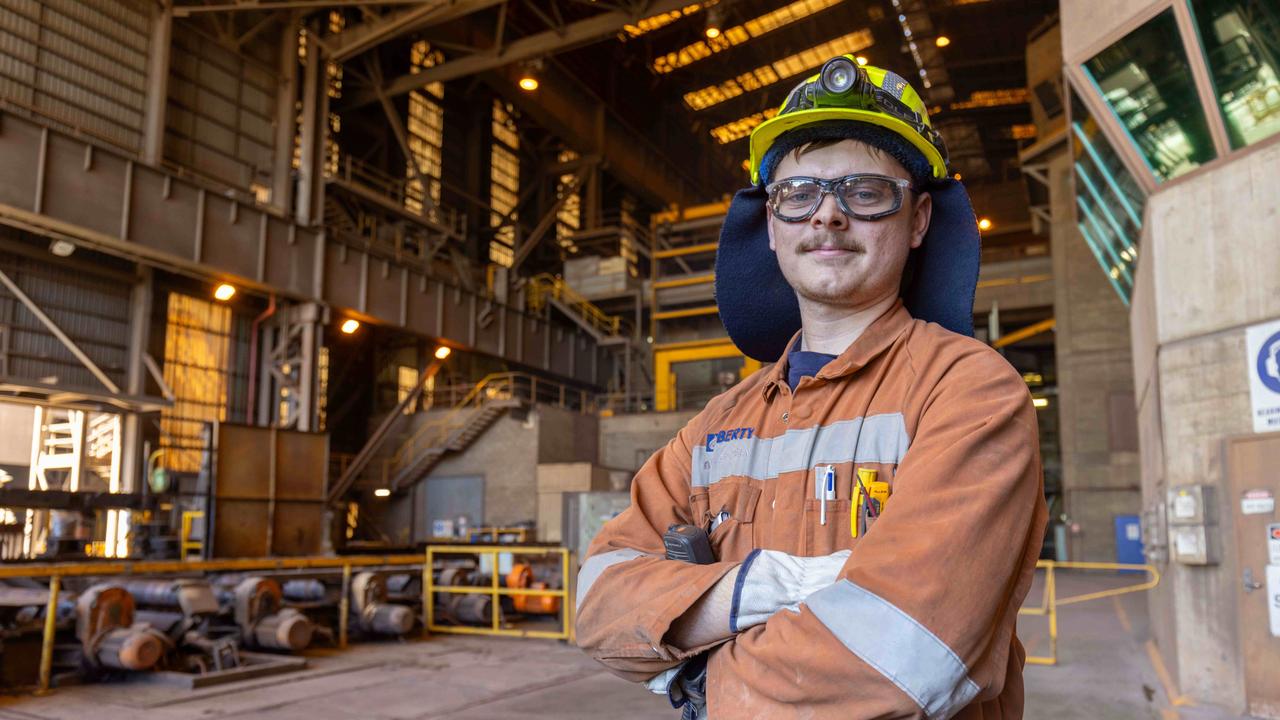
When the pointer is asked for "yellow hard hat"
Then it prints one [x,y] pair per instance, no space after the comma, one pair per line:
[844,90]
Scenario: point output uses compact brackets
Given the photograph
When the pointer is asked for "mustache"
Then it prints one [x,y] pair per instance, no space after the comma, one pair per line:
[824,241]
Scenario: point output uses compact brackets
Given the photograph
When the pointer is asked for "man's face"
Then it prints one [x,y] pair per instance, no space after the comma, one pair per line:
[832,259]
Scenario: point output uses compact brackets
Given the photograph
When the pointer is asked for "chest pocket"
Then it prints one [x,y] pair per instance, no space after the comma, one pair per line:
[730,514]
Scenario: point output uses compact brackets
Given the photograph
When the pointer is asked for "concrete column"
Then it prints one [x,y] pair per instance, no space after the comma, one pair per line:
[1098,423]
[157,94]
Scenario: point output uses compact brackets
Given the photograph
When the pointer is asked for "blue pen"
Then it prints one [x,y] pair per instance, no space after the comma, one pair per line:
[828,493]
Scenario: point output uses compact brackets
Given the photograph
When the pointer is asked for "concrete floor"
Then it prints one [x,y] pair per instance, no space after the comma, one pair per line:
[1105,672]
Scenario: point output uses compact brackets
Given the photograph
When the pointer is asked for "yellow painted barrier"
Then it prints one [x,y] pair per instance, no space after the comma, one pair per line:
[496,591]
[1050,602]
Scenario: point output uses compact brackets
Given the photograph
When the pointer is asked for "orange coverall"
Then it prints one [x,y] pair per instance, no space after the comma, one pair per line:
[921,622]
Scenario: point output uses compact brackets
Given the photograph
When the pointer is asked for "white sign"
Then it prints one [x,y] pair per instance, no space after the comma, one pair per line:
[1273,597]
[1186,543]
[1257,502]
[1184,506]
[1262,344]
[1273,543]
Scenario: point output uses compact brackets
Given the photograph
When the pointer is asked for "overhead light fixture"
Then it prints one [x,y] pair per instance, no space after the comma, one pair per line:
[350,325]
[942,41]
[382,492]
[714,20]
[529,72]
[61,248]
[1040,402]
[442,352]
[862,60]
[224,292]
[984,224]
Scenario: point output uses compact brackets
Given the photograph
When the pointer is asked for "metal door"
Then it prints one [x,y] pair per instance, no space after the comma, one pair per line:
[449,498]
[1129,540]
[1254,483]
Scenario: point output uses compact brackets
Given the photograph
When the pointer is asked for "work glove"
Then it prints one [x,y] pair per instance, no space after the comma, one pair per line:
[769,581]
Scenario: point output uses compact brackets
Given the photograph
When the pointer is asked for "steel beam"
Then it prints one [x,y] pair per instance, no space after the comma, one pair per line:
[286,117]
[183,226]
[570,36]
[548,220]
[183,11]
[359,38]
[157,94]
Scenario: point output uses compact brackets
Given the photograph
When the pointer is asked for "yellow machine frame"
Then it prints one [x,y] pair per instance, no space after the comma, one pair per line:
[496,591]
[664,356]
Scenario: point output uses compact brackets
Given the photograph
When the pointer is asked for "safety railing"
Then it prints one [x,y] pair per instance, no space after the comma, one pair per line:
[56,571]
[1050,602]
[496,591]
[400,191]
[499,535]
[545,287]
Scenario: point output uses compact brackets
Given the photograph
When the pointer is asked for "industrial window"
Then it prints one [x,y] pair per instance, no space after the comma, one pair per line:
[993,98]
[569,218]
[426,130]
[739,34]
[742,127]
[322,393]
[787,67]
[1147,81]
[504,184]
[1241,42]
[200,350]
[654,22]
[1108,200]
[406,381]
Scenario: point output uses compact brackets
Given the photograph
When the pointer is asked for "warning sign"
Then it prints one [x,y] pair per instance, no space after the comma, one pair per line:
[1263,347]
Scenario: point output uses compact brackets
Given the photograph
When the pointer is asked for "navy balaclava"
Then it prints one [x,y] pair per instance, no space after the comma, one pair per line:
[757,306]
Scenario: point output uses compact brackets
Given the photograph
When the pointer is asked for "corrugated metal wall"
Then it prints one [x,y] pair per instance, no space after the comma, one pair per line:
[221,108]
[81,62]
[93,310]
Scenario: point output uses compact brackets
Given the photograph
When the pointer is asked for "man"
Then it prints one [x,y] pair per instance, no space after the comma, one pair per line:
[874,499]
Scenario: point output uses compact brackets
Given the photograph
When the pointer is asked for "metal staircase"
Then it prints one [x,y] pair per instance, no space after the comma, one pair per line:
[458,428]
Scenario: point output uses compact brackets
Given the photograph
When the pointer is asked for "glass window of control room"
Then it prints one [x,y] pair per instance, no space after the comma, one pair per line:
[1241,42]
[1109,201]
[1146,80]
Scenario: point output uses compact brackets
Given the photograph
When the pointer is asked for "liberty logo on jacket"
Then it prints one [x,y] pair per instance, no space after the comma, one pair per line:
[727,435]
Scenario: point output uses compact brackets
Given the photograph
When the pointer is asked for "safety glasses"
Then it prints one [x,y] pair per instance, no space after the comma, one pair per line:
[862,196]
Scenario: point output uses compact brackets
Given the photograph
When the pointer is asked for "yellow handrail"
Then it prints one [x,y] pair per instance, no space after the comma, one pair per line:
[1048,606]
[446,424]
[546,285]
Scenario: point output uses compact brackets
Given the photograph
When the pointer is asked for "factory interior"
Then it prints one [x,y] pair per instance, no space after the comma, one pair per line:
[333,331]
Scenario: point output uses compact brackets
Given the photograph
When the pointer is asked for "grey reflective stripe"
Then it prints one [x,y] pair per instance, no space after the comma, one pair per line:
[873,439]
[897,646]
[597,564]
